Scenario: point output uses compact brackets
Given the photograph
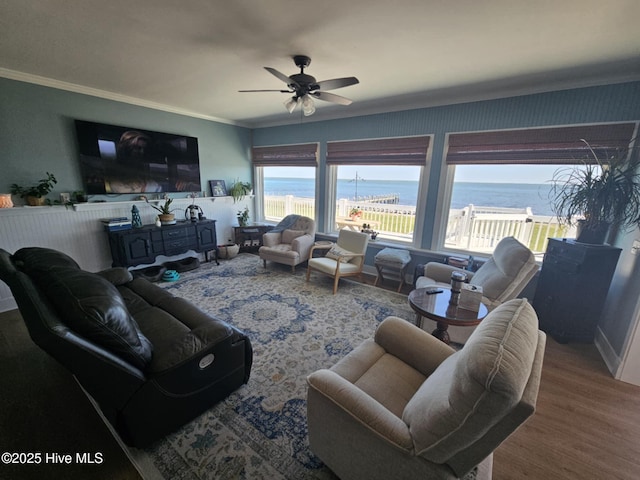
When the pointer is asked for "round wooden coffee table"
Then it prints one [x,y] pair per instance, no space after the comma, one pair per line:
[436,307]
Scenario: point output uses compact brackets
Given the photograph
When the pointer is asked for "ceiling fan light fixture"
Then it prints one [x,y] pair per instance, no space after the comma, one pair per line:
[308,107]
[290,104]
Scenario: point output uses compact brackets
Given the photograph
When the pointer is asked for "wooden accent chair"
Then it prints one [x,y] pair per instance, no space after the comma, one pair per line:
[344,259]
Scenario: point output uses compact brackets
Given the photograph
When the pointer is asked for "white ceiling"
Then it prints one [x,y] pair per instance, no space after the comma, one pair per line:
[192,56]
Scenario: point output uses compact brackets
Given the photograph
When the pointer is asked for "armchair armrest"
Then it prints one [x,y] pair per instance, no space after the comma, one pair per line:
[412,345]
[366,410]
[441,272]
[271,239]
[303,244]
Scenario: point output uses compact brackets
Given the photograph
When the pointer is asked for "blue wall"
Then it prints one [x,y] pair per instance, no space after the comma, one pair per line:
[37,134]
[585,105]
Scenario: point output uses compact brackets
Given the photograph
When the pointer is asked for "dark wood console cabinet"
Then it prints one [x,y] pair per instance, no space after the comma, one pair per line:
[143,245]
[573,287]
[249,238]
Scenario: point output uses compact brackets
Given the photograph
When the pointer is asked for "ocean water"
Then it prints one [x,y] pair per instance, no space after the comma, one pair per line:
[512,195]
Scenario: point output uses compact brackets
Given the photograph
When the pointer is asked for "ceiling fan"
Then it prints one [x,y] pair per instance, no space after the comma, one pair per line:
[305,87]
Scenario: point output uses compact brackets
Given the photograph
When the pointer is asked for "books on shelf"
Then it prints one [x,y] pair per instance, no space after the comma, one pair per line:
[115,220]
[115,224]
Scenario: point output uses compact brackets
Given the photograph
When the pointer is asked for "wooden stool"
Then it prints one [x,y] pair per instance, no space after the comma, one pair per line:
[394,260]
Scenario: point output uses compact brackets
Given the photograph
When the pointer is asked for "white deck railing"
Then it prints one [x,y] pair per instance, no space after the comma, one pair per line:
[473,228]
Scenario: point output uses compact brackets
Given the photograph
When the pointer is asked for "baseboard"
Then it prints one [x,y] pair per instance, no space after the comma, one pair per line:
[611,359]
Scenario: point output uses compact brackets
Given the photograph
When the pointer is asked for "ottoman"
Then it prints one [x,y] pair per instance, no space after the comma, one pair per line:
[392,260]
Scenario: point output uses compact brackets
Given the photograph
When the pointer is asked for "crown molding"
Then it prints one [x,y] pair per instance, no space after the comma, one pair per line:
[116,97]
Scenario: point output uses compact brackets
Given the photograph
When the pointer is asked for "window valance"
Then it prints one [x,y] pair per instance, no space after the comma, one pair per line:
[302,155]
[397,151]
[555,145]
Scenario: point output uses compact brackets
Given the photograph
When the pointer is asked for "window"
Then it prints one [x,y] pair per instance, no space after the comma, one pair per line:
[499,183]
[286,180]
[375,185]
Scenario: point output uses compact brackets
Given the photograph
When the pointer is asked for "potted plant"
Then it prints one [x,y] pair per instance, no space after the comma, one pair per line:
[598,195]
[79,196]
[35,194]
[243,217]
[238,190]
[166,212]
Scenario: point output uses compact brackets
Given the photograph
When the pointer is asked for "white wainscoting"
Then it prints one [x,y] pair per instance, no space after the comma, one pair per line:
[79,233]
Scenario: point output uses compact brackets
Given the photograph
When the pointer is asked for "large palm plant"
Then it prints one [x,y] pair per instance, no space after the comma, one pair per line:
[602,193]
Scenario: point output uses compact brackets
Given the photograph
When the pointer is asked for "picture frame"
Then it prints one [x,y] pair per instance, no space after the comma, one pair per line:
[218,188]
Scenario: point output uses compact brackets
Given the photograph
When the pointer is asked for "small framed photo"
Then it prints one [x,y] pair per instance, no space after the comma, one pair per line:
[218,188]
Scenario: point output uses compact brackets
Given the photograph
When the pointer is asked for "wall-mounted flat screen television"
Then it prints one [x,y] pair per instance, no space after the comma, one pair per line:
[116,159]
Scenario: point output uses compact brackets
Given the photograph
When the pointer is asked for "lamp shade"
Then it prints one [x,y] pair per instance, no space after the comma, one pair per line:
[308,106]
[291,103]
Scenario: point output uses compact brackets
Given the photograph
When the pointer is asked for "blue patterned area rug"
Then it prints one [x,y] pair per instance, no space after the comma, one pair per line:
[260,431]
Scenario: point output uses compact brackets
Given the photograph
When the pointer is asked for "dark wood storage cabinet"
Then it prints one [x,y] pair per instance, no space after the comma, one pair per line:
[143,245]
[572,288]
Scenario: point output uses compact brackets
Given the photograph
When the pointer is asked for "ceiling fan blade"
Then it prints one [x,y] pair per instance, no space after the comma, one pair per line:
[336,83]
[281,91]
[331,97]
[279,75]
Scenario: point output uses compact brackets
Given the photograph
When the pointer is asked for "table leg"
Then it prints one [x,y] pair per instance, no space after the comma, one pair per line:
[418,320]
[441,332]
[379,276]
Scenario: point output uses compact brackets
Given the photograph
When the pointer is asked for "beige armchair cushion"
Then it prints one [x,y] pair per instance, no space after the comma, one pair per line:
[508,270]
[289,235]
[341,254]
[467,394]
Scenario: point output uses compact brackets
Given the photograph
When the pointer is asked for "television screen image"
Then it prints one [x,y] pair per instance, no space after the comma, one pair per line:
[116,159]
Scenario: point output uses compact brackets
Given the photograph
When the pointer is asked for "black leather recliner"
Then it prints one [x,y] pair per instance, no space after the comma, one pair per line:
[150,360]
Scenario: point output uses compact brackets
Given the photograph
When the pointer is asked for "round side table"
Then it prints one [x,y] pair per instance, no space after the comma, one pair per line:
[436,307]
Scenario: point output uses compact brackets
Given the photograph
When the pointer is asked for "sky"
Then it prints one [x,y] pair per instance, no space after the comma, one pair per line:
[537,174]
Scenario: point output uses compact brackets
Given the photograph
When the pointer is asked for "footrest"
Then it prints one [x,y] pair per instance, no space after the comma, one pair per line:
[392,259]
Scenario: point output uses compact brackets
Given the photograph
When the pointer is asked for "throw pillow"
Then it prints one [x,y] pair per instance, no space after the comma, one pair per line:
[289,235]
[341,254]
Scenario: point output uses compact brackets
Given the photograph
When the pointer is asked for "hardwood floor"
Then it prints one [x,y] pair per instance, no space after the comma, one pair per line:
[586,425]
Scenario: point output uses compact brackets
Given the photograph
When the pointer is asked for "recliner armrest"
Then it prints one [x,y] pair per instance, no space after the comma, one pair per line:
[441,272]
[412,345]
[368,411]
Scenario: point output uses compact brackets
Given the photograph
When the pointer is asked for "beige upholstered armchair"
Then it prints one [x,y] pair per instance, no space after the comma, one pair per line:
[289,242]
[344,259]
[404,405]
[502,277]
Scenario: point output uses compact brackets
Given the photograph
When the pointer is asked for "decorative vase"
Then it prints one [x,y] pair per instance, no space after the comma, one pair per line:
[167,218]
[5,200]
[594,234]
